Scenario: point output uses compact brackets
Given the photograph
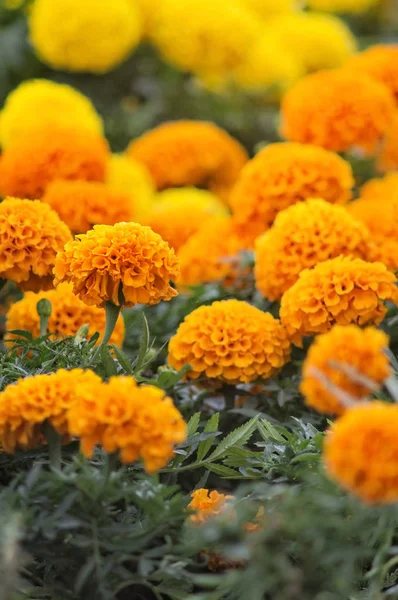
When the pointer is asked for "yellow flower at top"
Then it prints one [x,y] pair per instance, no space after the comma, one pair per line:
[207,505]
[343,6]
[90,36]
[138,422]
[379,61]
[281,175]
[126,264]
[184,153]
[338,110]
[269,8]
[231,341]
[48,104]
[341,291]
[347,360]
[31,234]
[302,236]
[360,452]
[124,174]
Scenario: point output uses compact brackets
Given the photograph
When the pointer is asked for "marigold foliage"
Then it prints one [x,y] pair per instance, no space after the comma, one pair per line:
[93,36]
[347,356]
[361,450]
[31,234]
[68,314]
[129,176]
[338,110]
[380,62]
[58,105]
[184,153]
[138,422]
[231,341]
[388,159]
[207,505]
[126,258]
[82,204]
[302,236]
[343,6]
[29,165]
[281,175]
[342,290]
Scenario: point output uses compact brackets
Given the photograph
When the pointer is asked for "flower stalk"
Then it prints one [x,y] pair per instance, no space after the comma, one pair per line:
[54,446]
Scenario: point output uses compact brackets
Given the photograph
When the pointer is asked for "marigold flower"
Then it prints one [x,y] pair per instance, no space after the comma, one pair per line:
[384,188]
[124,174]
[388,158]
[82,204]
[380,62]
[361,449]
[68,314]
[231,341]
[125,258]
[138,422]
[268,9]
[338,110]
[343,6]
[341,290]
[93,36]
[31,234]
[31,163]
[281,175]
[26,406]
[59,105]
[207,505]
[184,153]
[178,213]
[302,236]
[351,359]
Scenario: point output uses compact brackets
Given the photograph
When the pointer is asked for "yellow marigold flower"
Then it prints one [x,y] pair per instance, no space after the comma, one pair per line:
[82,204]
[31,234]
[138,422]
[388,159]
[360,452]
[56,105]
[178,213]
[384,188]
[126,258]
[207,505]
[124,174]
[149,10]
[184,153]
[281,175]
[302,236]
[25,407]
[343,6]
[347,357]
[270,8]
[68,314]
[231,341]
[31,163]
[338,110]
[380,62]
[341,290]
[93,36]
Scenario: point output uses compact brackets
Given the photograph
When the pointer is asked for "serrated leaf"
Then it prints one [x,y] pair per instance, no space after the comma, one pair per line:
[107,362]
[84,574]
[211,427]
[222,470]
[193,424]
[123,359]
[144,343]
[238,437]
[268,431]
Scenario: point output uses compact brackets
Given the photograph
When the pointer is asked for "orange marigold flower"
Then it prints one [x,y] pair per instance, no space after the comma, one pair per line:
[178,213]
[25,407]
[281,175]
[383,188]
[341,290]
[207,505]
[380,62]
[31,234]
[29,164]
[388,159]
[361,450]
[338,110]
[302,236]
[125,259]
[138,422]
[345,358]
[82,204]
[68,314]
[184,153]
[231,341]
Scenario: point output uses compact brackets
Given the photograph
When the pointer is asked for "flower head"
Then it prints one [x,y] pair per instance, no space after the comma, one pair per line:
[91,36]
[388,159]
[382,189]
[125,258]
[281,175]
[380,62]
[342,290]
[268,9]
[59,105]
[32,162]
[231,341]
[207,505]
[31,234]
[184,153]
[138,422]
[82,204]
[124,174]
[68,314]
[361,449]
[343,6]
[346,359]
[302,236]
[338,110]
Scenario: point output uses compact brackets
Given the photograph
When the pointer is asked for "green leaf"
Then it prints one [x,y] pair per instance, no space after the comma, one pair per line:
[268,431]
[107,361]
[222,470]
[238,437]
[211,427]
[144,343]
[193,424]
[123,359]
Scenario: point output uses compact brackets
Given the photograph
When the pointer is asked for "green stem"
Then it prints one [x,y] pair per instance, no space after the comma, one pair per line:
[112,314]
[43,325]
[54,446]
[111,461]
